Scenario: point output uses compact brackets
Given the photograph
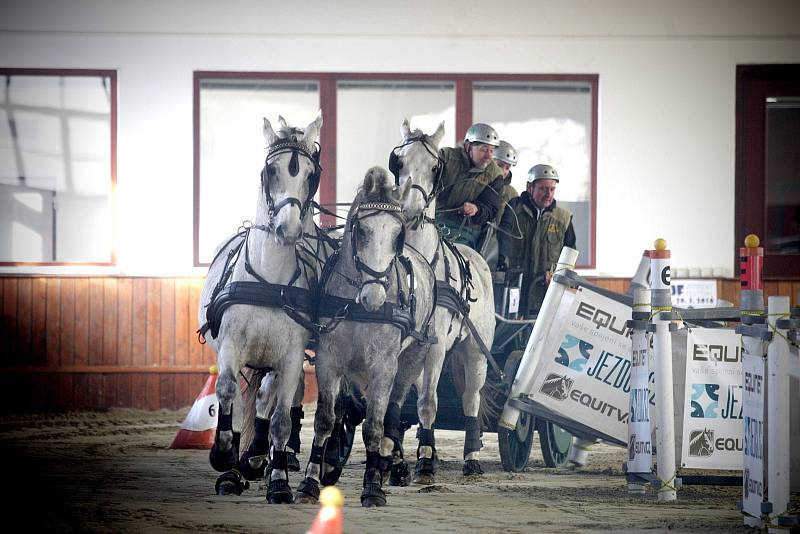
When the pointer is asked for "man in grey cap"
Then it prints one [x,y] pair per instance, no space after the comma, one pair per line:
[470,186]
[545,229]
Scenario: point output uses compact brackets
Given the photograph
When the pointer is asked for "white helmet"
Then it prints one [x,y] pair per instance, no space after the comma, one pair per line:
[542,172]
[482,133]
[506,153]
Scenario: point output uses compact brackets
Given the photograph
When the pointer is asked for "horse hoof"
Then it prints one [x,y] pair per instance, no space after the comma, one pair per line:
[472,468]
[368,501]
[253,467]
[278,492]
[292,463]
[230,483]
[424,472]
[308,491]
[222,460]
[399,474]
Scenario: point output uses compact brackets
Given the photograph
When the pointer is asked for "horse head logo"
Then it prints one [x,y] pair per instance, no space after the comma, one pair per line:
[557,386]
[701,442]
[631,447]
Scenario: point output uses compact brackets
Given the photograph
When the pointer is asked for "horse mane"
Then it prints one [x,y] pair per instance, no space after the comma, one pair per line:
[293,133]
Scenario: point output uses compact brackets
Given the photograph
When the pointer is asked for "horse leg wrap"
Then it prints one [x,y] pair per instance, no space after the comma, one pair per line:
[391,424]
[354,412]
[225,422]
[224,460]
[317,453]
[278,491]
[372,494]
[472,443]
[294,437]
[254,460]
[472,436]
[425,466]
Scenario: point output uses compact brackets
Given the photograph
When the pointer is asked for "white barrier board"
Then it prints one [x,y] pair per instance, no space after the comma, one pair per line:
[753,413]
[693,293]
[712,406]
[584,373]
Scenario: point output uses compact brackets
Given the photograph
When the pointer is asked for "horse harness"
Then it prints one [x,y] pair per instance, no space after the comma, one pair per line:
[294,300]
[400,314]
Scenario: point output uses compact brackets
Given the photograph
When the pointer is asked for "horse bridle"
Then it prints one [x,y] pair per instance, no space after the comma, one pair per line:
[296,149]
[395,165]
[379,277]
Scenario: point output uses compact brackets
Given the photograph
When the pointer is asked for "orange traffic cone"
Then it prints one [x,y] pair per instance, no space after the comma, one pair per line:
[200,425]
[329,518]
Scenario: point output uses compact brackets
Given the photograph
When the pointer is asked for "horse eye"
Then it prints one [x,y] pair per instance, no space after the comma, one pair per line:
[361,233]
[271,171]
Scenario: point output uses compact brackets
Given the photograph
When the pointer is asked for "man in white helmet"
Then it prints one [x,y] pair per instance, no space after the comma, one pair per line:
[545,228]
[505,155]
[470,185]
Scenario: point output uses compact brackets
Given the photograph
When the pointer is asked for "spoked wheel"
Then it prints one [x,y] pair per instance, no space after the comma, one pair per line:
[340,444]
[515,445]
[555,441]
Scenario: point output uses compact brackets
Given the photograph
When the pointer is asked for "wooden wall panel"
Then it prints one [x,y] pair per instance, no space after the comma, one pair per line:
[124,321]
[96,322]
[94,343]
[81,343]
[110,321]
[23,355]
[67,322]
[39,322]
[10,319]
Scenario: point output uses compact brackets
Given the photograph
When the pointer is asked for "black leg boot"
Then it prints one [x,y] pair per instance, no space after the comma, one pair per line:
[472,443]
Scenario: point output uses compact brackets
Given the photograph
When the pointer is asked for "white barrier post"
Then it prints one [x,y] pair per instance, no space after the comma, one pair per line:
[752,328]
[640,461]
[662,352]
[533,350]
[778,468]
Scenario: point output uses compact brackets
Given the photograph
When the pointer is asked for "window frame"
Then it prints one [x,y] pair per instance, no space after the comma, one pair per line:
[327,94]
[754,83]
[112,75]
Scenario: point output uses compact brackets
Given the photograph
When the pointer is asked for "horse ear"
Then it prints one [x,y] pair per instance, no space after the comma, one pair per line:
[438,134]
[282,122]
[312,132]
[404,190]
[405,129]
[269,133]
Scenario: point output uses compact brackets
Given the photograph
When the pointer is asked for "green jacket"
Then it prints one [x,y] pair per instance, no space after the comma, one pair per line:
[461,182]
[540,247]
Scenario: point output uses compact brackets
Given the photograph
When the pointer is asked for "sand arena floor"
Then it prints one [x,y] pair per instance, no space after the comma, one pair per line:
[113,472]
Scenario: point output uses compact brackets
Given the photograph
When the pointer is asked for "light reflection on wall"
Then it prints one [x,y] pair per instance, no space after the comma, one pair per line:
[562,143]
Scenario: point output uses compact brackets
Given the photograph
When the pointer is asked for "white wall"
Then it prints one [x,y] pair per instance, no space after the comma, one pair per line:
[667,88]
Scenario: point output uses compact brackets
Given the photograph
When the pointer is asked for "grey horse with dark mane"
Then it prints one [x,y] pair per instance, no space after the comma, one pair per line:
[378,298]
[464,317]
[256,303]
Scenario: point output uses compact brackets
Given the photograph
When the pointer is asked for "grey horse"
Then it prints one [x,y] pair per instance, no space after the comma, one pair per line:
[379,298]
[463,279]
[256,277]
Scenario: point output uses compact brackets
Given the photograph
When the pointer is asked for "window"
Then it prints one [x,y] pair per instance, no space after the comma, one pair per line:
[549,118]
[768,164]
[57,166]
[232,147]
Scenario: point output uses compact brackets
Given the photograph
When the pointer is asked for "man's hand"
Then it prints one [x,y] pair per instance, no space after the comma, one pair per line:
[469,209]
[547,277]
[501,264]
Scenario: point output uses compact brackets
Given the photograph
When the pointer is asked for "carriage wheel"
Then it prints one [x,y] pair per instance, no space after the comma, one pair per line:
[339,445]
[515,445]
[555,441]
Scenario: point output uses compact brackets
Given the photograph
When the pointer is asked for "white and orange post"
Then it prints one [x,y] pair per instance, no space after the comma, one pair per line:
[661,301]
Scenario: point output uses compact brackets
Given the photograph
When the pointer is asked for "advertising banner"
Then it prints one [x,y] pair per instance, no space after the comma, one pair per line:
[639,433]
[713,402]
[753,413]
[585,374]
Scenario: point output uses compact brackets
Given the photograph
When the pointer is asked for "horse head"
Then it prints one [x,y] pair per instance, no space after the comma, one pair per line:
[376,228]
[289,179]
[417,160]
